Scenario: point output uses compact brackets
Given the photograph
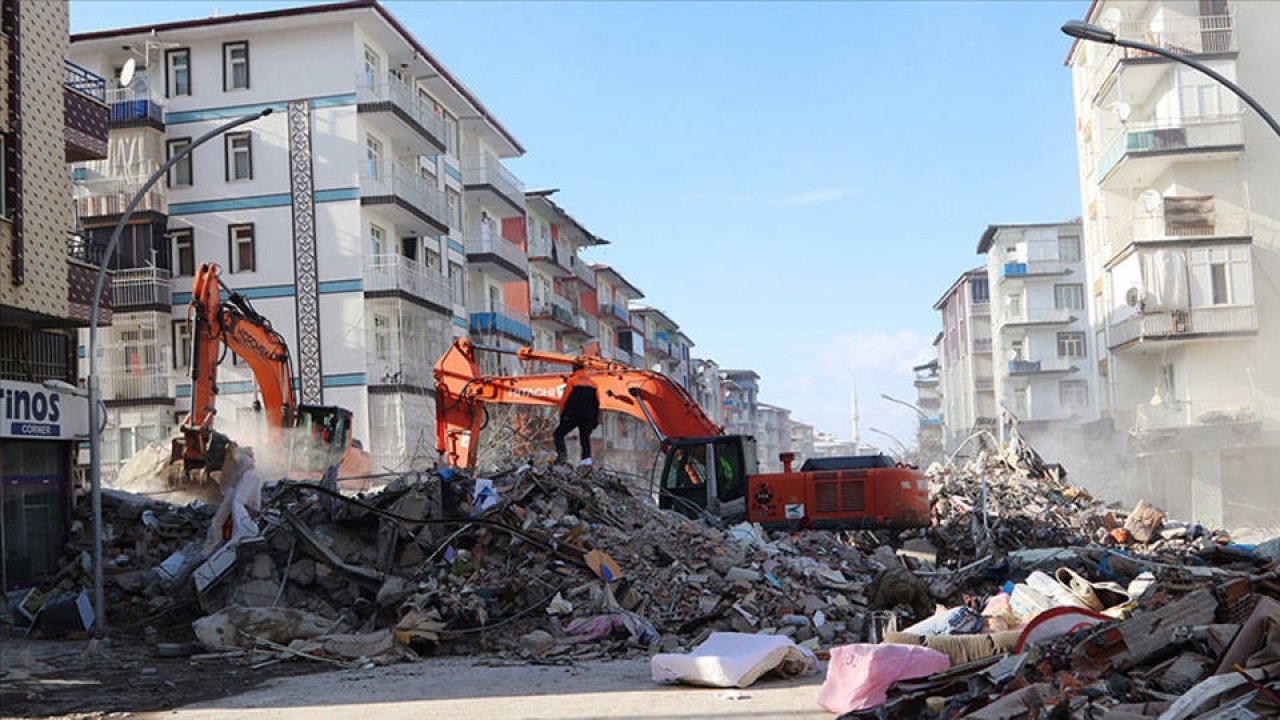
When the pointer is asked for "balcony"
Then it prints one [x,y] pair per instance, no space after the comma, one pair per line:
[394,108]
[931,403]
[498,256]
[505,320]
[1161,228]
[556,311]
[545,255]
[142,382]
[659,346]
[1144,150]
[1013,271]
[623,355]
[982,345]
[84,113]
[135,107]
[494,185]
[582,272]
[100,199]
[588,324]
[1187,35]
[1178,325]
[393,273]
[146,288]
[614,314]
[411,201]
[400,370]
[980,307]
[1048,366]
[1030,317]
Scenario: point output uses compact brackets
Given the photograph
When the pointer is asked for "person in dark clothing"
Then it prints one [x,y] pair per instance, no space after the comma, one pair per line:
[580,410]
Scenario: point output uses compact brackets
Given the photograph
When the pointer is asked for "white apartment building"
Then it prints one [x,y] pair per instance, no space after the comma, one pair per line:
[773,436]
[667,350]
[369,217]
[966,368]
[741,401]
[1180,187]
[1045,365]
[929,402]
[707,388]
[614,295]
[803,438]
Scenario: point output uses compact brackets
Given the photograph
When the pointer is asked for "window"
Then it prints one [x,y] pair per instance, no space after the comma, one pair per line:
[451,135]
[1015,307]
[178,72]
[431,259]
[235,65]
[1068,297]
[495,299]
[487,230]
[1071,345]
[372,157]
[182,344]
[184,253]
[180,173]
[382,336]
[1073,394]
[1218,284]
[1069,248]
[372,67]
[1021,403]
[456,283]
[455,208]
[979,291]
[377,240]
[239,157]
[241,249]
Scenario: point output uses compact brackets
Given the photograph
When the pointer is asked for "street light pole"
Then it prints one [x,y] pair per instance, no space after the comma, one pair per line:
[921,413]
[905,451]
[95,396]
[1092,33]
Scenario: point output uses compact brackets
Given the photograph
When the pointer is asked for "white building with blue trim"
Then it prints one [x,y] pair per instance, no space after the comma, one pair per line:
[369,217]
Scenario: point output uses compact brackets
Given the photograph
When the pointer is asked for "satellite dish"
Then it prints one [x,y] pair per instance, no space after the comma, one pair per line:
[1132,297]
[1111,18]
[1122,110]
[1151,200]
[126,72]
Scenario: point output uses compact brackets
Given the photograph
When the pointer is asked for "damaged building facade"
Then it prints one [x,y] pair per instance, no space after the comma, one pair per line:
[52,112]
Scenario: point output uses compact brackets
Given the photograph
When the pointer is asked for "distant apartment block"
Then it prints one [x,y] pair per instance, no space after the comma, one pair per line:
[1044,357]
[965,361]
[1180,186]
[929,401]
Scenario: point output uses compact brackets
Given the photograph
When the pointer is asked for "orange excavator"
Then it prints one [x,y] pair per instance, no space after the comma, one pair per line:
[856,492]
[221,320]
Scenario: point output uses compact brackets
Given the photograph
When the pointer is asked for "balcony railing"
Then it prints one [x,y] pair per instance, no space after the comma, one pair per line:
[1185,35]
[614,311]
[1192,133]
[1035,267]
[134,104]
[556,308]
[583,272]
[623,355]
[980,307]
[393,271]
[480,244]
[488,170]
[929,402]
[391,179]
[141,287]
[589,324]
[659,345]
[505,319]
[105,195]
[391,89]
[140,382]
[83,81]
[1140,227]
[1048,316]
[1046,365]
[401,369]
[1171,325]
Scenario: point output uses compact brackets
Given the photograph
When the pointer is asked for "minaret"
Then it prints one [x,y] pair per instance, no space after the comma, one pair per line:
[853,401]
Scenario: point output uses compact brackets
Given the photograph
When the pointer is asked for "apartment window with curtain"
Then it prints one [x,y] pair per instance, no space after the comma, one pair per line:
[372,67]
[377,240]
[184,253]
[1069,248]
[979,291]
[1071,345]
[451,135]
[235,65]
[239,157]
[1068,297]
[180,174]
[241,248]
[372,157]
[455,208]
[456,284]
[177,72]
[182,344]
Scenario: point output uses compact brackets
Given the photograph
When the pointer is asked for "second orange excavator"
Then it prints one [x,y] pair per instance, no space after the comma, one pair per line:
[704,471]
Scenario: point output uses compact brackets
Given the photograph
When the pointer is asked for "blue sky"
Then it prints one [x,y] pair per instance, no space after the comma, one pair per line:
[794,183]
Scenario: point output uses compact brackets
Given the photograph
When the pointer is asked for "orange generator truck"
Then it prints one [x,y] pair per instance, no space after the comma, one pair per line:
[704,471]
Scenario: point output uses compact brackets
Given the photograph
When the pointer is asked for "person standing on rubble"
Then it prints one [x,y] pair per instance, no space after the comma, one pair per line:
[580,410]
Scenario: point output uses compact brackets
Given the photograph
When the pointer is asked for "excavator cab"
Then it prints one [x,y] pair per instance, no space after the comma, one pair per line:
[327,430]
[691,485]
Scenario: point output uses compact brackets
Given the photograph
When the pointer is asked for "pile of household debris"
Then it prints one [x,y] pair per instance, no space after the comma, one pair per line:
[1025,598]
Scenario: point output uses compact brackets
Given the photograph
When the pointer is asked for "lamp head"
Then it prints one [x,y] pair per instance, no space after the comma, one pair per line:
[1085,31]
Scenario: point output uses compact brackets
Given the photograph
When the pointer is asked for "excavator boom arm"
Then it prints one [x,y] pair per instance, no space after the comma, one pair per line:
[462,392]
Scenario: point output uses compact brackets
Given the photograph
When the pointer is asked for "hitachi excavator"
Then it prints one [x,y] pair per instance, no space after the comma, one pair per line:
[219,324]
[837,493]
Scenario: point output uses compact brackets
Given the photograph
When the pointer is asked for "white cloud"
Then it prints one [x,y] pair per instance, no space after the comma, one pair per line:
[817,390]
[816,196]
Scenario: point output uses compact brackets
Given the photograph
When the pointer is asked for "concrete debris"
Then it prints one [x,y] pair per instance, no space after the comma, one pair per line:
[1042,600]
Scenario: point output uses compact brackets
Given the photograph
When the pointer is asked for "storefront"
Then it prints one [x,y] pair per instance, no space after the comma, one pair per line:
[40,428]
